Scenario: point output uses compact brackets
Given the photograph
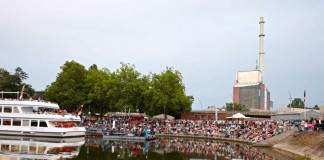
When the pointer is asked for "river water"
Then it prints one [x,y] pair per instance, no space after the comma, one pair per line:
[159,149]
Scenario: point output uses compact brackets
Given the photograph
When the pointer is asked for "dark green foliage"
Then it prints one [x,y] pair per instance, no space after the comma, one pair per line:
[14,82]
[69,88]
[236,107]
[299,103]
[166,93]
[296,103]
[121,91]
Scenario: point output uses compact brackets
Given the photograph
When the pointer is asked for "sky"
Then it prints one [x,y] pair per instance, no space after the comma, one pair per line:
[208,41]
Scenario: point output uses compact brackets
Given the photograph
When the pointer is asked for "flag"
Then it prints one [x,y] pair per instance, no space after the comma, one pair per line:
[305,104]
[304,96]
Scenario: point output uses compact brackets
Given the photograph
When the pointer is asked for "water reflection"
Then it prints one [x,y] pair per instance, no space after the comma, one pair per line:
[96,149]
[185,149]
[39,148]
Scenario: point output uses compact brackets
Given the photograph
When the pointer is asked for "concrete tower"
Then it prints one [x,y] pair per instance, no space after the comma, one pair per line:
[250,88]
[261,52]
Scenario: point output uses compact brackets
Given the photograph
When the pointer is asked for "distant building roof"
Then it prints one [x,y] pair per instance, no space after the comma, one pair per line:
[212,109]
[286,110]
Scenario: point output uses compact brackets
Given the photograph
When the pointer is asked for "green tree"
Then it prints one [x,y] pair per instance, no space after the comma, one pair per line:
[128,88]
[97,86]
[296,103]
[14,82]
[68,90]
[236,107]
[316,107]
[166,93]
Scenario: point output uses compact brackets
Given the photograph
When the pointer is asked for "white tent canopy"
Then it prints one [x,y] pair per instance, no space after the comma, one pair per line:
[238,115]
[161,116]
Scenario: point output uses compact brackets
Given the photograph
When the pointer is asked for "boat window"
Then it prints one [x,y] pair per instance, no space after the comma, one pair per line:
[32,149]
[7,122]
[33,123]
[16,122]
[5,147]
[14,148]
[41,149]
[25,122]
[15,110]
[7,109]
[24,149]
[42,124]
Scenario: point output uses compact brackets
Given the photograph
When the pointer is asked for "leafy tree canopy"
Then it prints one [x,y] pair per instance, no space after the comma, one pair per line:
[296,103]
[123,90]
[236,107]
[13,82]
[166,94]
[299,103]
[69,88]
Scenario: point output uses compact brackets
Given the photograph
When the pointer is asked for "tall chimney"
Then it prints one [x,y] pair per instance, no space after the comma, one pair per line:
[261,52]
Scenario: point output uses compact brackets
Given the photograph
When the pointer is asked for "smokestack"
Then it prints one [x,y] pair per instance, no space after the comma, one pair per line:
[261,52]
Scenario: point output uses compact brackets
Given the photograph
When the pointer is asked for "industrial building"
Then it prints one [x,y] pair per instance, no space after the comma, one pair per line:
[213,113]
[250,88]
[296,113]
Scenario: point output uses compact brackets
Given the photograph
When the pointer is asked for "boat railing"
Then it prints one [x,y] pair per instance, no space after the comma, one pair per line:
[50,113]
[32,100]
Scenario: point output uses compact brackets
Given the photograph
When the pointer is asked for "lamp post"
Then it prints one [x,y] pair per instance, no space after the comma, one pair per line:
[89,111]
[165,116]
[290,100]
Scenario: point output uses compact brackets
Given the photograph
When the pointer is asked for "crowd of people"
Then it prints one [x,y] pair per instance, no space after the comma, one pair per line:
[248,130]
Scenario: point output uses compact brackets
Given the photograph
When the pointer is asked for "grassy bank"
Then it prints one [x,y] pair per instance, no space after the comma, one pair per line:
[309,145]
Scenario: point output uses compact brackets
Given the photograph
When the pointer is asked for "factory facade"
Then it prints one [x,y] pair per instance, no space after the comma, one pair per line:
[250,88]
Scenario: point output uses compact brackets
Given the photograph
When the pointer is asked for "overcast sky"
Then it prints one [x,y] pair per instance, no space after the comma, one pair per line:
[208,41]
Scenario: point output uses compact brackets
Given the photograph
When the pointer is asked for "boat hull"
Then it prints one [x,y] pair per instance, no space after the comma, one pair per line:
[44,134]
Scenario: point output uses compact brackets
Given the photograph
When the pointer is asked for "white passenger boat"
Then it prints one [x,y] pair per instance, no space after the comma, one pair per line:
[24,148]
[37,118]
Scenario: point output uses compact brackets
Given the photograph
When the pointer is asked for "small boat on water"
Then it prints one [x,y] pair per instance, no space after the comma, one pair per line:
[94,131]
[128,137]
[38,119]
[143,136]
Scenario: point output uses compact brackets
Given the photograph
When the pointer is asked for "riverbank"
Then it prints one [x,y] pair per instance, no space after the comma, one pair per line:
[307,144]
